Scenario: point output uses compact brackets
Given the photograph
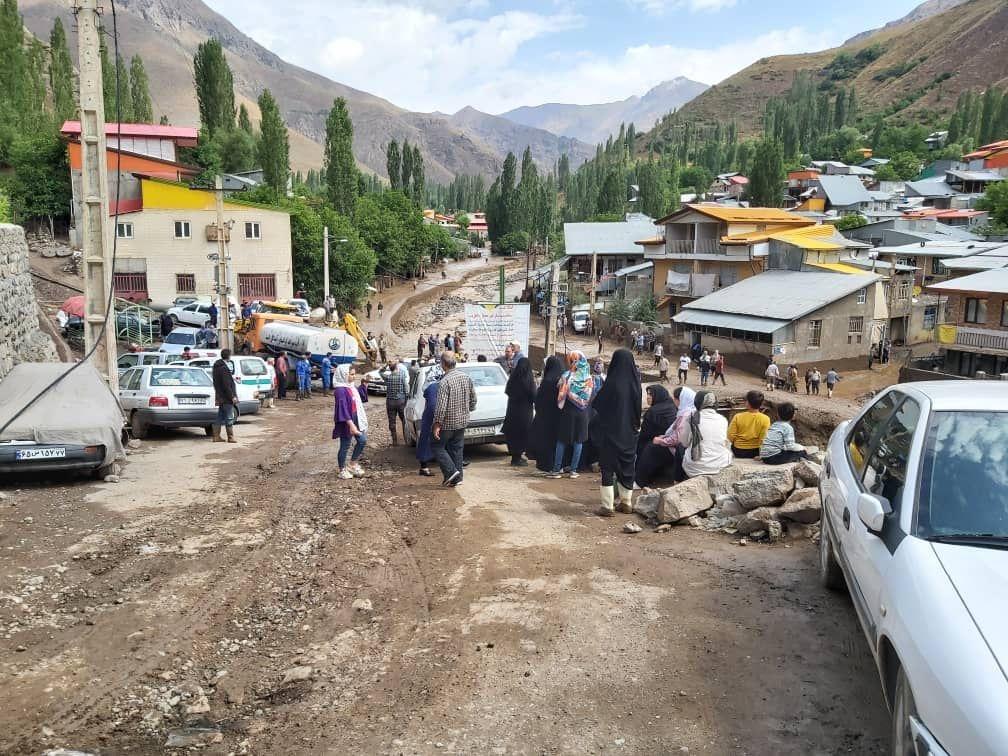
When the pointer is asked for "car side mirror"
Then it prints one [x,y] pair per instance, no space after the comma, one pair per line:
[872,510]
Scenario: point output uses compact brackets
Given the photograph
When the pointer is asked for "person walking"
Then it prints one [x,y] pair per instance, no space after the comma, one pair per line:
[663,368]
[282,367]
[226,396]
[327,372]
[382,347]
[772,376]
[167,324]
[421,345]
[808,381]
[684,366]
[303,369]
[614,433]
[832,378]
[449,342]
[432,345]
[718,365]
[456,399]
[705,367]
[543,436]
[599,338]
[573,396]
[521,393]
[395,400]
[425,447]
[350,422]
[659,352]
[367,308]
[270,400]
[816,381]
[212,312]
[640,343]
[381,309]
[792,379]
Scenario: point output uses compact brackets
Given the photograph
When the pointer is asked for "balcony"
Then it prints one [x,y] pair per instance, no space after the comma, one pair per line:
[703,247]
[973,339]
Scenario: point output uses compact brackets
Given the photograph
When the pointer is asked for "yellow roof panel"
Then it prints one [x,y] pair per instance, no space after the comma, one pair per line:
[654,241]
[837,267]
[750,237]
[742,214]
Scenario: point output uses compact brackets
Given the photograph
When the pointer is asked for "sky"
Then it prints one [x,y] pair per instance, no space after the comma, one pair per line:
[442,55]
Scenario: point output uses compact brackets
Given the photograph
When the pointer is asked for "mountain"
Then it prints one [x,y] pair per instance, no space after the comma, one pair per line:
[921,66]
[921,12]
[166,33]
[594,123]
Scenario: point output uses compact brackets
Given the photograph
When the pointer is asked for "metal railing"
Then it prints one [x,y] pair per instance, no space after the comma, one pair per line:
[695,247]
[135,323]
[981,338]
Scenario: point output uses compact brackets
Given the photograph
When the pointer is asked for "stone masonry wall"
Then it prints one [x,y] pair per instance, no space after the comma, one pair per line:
[20,337]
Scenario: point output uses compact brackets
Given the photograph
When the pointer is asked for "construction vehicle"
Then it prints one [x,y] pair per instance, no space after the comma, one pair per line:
[250,329]
[367,347]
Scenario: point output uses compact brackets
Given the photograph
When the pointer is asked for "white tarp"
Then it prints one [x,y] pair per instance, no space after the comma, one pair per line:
[489,328]
[703,284]
[677,283]
[79,410]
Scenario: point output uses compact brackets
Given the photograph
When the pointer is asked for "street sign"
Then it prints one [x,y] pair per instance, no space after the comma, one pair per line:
[490,326]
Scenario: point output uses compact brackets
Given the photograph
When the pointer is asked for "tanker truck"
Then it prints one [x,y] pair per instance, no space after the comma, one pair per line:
[300,339]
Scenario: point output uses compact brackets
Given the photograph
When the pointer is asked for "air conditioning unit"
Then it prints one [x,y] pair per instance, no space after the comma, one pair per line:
[211,233]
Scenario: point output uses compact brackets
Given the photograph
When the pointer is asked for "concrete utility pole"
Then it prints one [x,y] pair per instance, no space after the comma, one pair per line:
[594,285]
[98,311]
[223,285]
[325,266]
[551,322]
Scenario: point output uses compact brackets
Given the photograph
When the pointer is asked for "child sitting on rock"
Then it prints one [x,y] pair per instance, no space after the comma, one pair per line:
[779,446]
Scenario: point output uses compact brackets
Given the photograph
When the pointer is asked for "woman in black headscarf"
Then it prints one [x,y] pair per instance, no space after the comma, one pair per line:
[543,435]
[614,431]
[521,393]
[660,414]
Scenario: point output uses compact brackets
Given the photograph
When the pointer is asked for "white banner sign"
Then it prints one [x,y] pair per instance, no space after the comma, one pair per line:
[490,327]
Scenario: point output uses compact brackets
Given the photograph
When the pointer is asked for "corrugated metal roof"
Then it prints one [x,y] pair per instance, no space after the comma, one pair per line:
[837,267]
[725,320]
[607,238]
[631,269]
[939,249]
[976,262]
[187,133]
[989,281]
[869,264]
[738,214]
[843,191]
[783,294]
[975,175]
[930,188]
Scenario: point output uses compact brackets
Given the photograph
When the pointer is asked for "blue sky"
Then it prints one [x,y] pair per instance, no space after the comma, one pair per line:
[444,54]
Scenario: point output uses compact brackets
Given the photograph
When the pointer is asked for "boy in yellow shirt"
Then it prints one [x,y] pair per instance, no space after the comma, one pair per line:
[747,429]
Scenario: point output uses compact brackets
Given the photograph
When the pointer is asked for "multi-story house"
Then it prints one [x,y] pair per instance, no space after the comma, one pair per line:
[974,337]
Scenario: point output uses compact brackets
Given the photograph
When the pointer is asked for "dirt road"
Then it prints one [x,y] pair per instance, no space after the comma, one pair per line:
[244,600]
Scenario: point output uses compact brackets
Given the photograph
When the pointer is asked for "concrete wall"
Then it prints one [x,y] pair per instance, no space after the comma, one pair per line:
[21,340]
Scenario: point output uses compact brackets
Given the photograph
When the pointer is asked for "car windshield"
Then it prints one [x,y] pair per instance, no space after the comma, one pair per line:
[181,337]
[964,481]
[253,367]
[490,375]
[180,376]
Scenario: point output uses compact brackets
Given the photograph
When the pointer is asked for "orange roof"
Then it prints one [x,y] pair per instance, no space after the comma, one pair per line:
[933,212]
[803,175]
[652,242]
[986,150]
[739,214]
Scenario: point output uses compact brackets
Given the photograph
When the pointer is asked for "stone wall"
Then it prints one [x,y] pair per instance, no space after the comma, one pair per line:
[20,337]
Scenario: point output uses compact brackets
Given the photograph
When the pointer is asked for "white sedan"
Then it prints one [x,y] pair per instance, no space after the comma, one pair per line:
[168,397]
[489,380]
[915,518]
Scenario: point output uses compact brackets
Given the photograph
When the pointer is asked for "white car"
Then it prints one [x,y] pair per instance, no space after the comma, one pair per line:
[915,518]
[579,321]
[489,380]
[251,376]
[168,396]
[179,339]
[193,314]
[375,381]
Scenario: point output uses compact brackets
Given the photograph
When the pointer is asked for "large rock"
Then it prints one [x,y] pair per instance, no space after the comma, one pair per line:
[721,482]
[684,500]
[764,488]
[646,503]
[802,506]
[809,472]
[729,505]
[757,519]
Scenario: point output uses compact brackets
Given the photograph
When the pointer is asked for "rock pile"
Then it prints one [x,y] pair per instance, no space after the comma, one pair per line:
[439,311]
[46,246]
[748,498]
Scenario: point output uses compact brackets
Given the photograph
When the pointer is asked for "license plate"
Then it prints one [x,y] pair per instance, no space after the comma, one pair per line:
[486,430]
[192,400]
[53,453]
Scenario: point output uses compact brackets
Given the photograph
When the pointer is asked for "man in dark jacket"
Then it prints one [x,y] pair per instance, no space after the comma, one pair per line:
[226,394]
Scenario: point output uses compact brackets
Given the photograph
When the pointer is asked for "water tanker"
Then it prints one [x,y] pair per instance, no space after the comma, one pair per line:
[300,339]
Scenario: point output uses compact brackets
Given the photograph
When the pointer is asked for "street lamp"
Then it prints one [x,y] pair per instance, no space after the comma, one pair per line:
[325,263]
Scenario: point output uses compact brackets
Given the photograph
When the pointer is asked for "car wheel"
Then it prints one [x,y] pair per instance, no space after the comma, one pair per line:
[830,575]
[904,707]
[139,426]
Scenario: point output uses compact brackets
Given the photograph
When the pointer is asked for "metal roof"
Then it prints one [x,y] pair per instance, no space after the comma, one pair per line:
[976,262]
[868,263]
[975,175]
[607,238]
[843,191]
[988,281]
[631,269]
[185,133]
[783,294]
[727,320]
[732,214]
[939,249]
[930,188]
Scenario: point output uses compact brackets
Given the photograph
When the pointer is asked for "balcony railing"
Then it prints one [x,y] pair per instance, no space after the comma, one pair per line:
[978,339]
[695,247]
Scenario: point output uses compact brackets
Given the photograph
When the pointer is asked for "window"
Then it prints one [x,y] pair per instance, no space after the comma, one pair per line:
[124,230]
[127,361]
[185,283]
[930,317]
[855,330]
[257,286]
[182,230]
[887,288]
[885,474]
[903,292]
[815,333]
[976,310]
[937,268]
[179,376]
[1004,313]
[862,296]
[252,230]
[132,380]
[859,441]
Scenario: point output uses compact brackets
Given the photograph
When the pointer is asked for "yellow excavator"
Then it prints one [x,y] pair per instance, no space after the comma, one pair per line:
[349,324]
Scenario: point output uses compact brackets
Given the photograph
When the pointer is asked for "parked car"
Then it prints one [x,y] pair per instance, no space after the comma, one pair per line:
[126,324]
[489,380]
[251,376]
[303,309]
[579,321]
[192,314]
[77,425]
[133,359]
[179,339]
[915,521]
[168,396]
[375,381]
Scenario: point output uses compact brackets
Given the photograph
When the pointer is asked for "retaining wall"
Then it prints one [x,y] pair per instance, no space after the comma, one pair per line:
[21,339]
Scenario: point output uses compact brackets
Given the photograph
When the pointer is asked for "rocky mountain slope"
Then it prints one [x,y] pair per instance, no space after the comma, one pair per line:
[167,32]
[594,123]
[922,67]
[921,12]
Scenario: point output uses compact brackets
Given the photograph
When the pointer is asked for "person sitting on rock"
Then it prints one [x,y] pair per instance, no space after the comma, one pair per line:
[705,439]
[779,446]
[747,428]
[660,456]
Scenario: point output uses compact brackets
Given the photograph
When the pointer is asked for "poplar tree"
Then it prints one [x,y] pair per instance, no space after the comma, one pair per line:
[61,77]
[419,182]
[274,147]
[12,61]
[125,91]
[340,169]
[406,167]
[244,122]
[766,180]
[393,161]
[108,78]
[143,108]
[214,87]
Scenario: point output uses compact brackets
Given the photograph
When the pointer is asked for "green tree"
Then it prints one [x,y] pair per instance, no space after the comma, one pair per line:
[274,145]
[393,161]
[12,58]
[61,76]
[40,183]
[391,224]
[766,180]
[5,208]
[406,167]
[36,60]
[237,150]
[462,220]
[124,92]
[214,87]
[886,173]
[851,220]
[906,165]
[996,203]
[419,180]
[515,242]
[612,196]
[108,78]
[244,121]
[143,108]
[340,168]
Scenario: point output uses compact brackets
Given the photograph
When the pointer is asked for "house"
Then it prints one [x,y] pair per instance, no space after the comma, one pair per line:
[844,194]
[704,248]
[988,259]
[961,218]
[934,192]
[892,232]
[614,243]
[796,317]
[165,239]
[731,185]
[478,224]
[992,156]
[974,336]
[971,182]
[799,182]
[434,218]
[936,140]
[874,162]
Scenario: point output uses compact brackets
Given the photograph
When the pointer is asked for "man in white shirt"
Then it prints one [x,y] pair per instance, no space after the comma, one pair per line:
[659,350]
[772,376]
[684,364]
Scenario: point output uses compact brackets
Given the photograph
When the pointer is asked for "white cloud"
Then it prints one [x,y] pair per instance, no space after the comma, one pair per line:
[660,7]
[341,51]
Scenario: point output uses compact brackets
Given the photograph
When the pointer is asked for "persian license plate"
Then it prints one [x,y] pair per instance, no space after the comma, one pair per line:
[193,400]
[486,430]
[56,452]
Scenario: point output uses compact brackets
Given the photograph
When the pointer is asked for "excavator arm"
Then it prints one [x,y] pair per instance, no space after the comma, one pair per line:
[351,326]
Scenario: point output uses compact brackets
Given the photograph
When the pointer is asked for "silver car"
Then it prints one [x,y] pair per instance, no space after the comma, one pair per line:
[915,522]
[169,397]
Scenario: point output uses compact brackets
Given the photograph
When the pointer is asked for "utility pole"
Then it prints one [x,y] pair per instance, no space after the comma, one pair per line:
[551,322]
[594,285]
[325,266]
[99,333]
[223,285]
[501,284]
